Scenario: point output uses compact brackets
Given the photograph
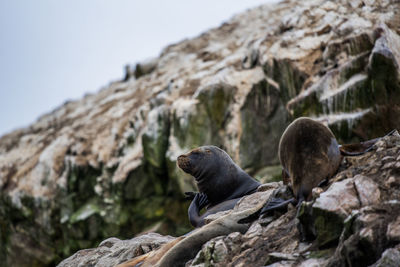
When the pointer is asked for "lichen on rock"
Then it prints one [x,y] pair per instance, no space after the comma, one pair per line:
[105,165]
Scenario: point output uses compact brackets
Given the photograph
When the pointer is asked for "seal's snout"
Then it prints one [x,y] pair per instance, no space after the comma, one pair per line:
[182,158]
[184,163]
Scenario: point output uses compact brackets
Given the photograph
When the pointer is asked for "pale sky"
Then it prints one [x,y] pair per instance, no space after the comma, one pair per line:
[57,50]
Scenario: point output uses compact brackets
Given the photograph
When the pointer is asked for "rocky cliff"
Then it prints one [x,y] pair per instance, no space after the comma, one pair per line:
[352,221]
[105,165]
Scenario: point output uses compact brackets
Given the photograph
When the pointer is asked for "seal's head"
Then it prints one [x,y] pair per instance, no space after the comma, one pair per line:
[216,174]
[214,171]
[203,161]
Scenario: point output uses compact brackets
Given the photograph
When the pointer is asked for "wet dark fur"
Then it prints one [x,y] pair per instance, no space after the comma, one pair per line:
[309,153]
[218,177]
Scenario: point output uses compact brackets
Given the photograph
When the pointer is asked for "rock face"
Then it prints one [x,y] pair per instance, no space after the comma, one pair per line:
[345,228]
[106,165]
[113,251]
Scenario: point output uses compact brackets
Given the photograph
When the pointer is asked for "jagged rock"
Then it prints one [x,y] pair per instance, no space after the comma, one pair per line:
[104,165]
[365,229]
[155,145]
[390,258]
[367,191]
[276,257]
[113,251]
[263,116]
[331,208]
[364,240]
[353,94]
[195,122]
[393,231]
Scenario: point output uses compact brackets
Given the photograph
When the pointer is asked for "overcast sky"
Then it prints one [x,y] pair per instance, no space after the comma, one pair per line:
[55,50]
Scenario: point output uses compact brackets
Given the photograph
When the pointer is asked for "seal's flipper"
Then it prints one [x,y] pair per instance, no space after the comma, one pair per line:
[193,212]
[200,201]
[277,204]
[357,149]
[360,148]
[218,177]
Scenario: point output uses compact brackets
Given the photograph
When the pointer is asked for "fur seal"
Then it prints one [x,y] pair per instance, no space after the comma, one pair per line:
[221,183]
[310,154]
[179,251]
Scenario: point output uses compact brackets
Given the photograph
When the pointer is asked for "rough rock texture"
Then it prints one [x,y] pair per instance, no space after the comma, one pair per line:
[225,223]
[347,228]
[105,165]
[359,233]
[113,251]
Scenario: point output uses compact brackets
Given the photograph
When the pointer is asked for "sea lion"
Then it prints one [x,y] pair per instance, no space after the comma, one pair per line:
[310,154]
[188,247]
[180,250]
[221,183]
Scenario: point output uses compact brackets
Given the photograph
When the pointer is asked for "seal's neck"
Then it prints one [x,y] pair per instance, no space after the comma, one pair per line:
[246,185]
[230,184]
[203,175]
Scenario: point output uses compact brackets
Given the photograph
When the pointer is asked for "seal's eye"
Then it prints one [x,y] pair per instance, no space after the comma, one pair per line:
[208,151]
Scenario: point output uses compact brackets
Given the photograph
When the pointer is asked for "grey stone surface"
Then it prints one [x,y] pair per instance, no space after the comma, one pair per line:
[105,165]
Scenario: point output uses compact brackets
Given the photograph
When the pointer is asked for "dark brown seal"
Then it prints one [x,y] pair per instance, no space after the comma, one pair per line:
[180,250]
[221,183]
[309,154]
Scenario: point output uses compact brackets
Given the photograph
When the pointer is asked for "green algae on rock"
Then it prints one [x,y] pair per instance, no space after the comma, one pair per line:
[106,164]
